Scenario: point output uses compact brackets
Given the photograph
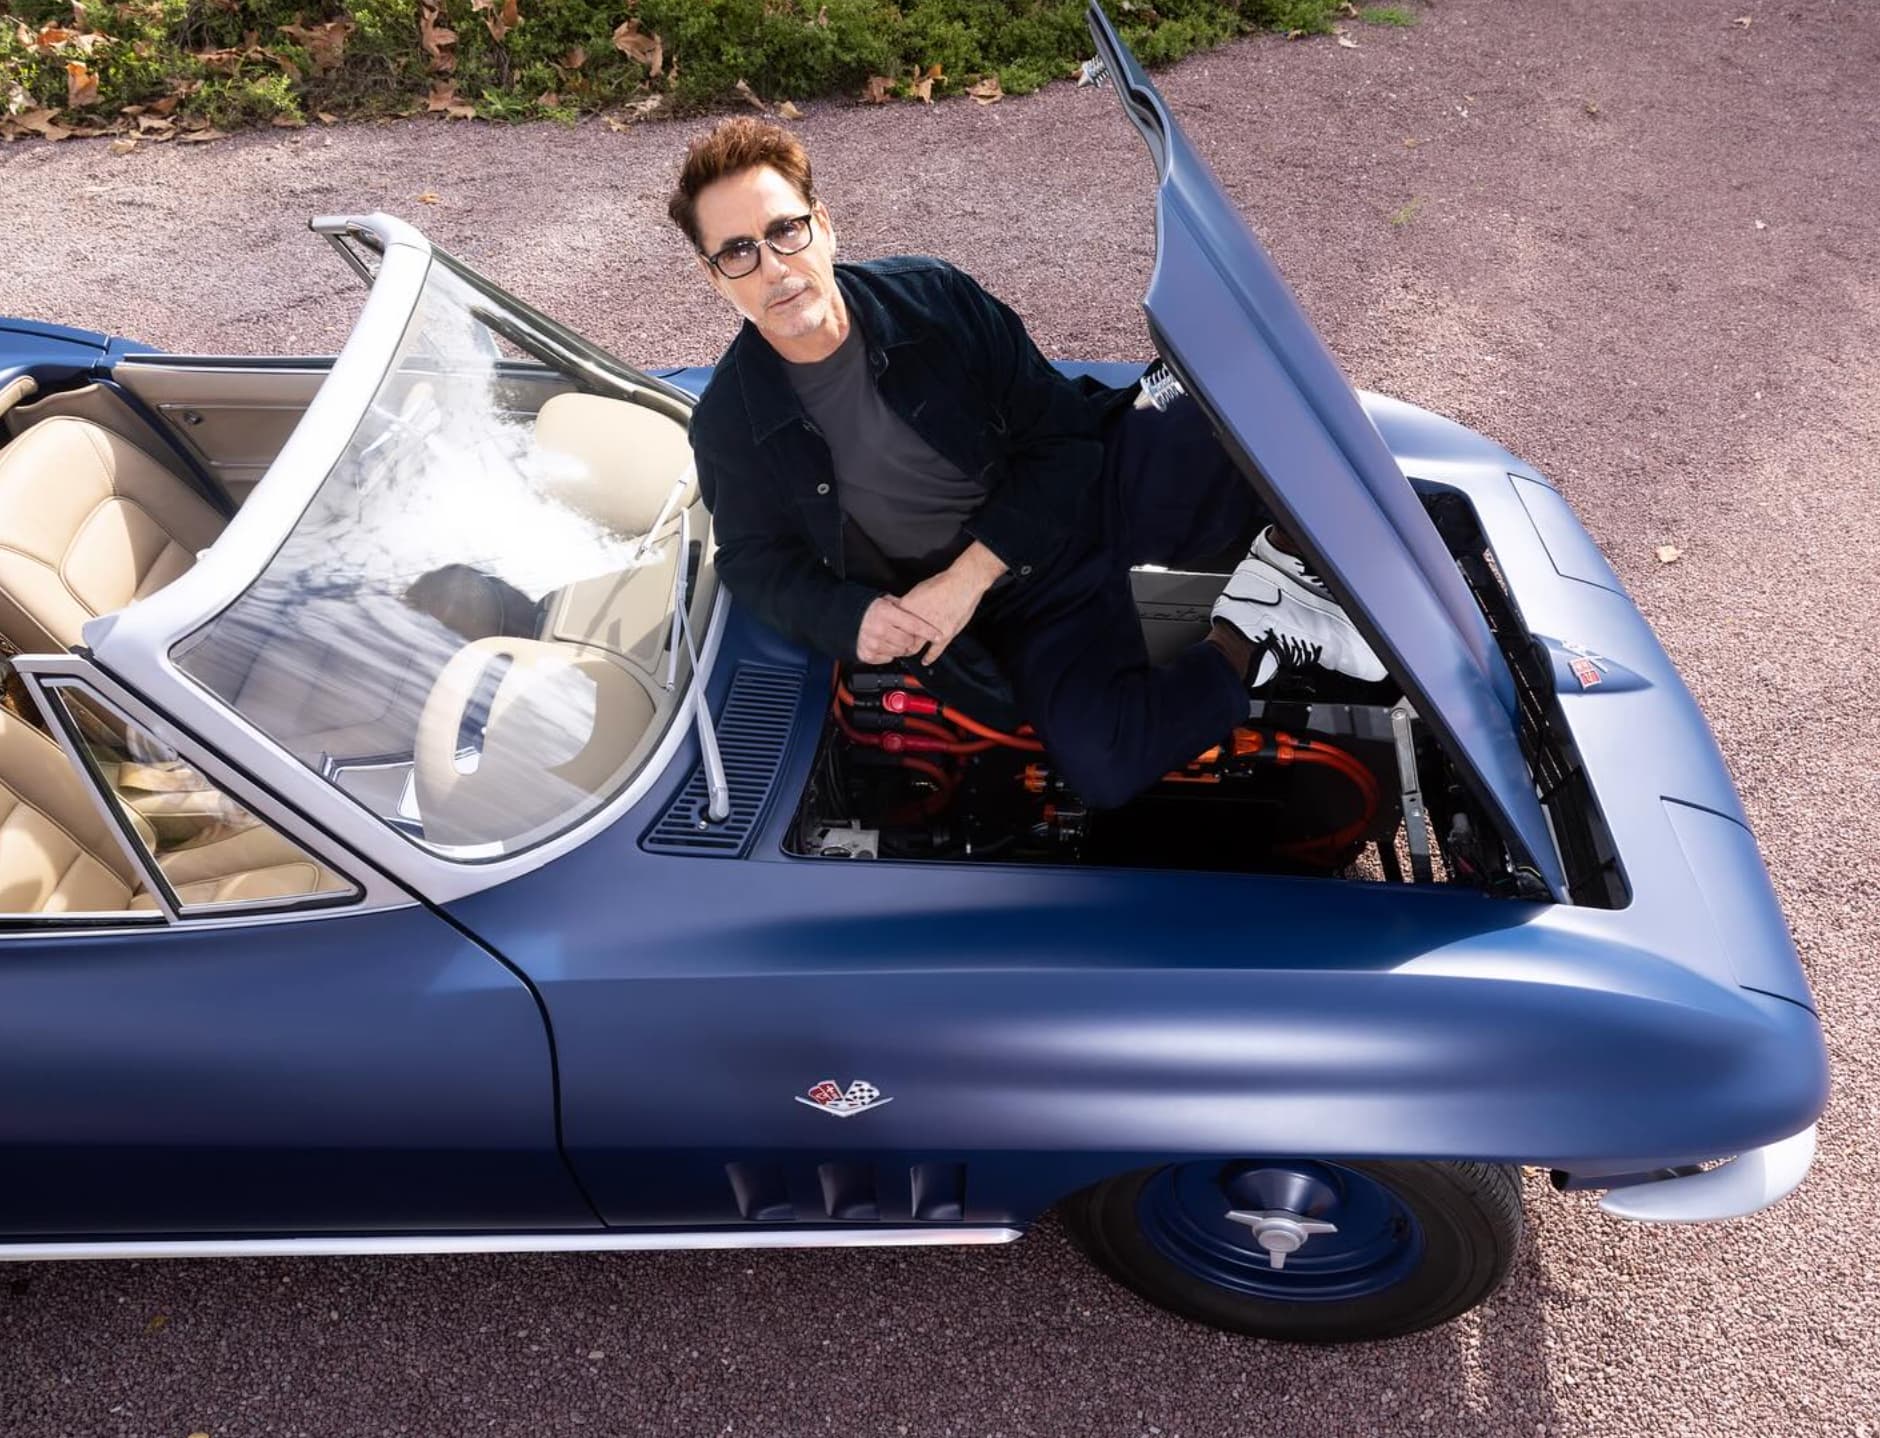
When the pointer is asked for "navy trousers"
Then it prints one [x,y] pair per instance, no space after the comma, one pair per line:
[1070,642]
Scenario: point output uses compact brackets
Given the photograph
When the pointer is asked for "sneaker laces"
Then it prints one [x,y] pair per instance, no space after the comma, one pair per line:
[1276,654]
[1292,651]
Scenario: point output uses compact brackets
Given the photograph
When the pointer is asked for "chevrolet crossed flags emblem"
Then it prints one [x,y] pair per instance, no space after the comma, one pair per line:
[830,1097]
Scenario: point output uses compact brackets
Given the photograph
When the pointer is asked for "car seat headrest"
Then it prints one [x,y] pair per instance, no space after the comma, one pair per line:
[613,461]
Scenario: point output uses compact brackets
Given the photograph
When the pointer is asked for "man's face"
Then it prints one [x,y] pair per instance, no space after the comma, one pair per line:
[792,299]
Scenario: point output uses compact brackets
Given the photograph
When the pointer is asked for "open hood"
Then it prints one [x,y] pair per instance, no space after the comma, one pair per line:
[1229,327]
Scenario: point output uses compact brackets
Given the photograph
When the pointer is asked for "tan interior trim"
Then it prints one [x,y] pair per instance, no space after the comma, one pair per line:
[25,387]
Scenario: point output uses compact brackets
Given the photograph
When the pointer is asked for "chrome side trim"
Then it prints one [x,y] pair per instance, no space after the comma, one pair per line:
[340,1246]
[1738,1187]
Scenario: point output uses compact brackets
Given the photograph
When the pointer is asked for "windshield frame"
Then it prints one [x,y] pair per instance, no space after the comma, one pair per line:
[134,644]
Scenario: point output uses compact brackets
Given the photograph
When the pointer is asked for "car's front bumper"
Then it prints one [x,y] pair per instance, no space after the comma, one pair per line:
[1735,1188]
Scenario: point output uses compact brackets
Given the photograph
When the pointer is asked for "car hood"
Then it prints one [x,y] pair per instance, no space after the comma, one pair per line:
[1229,327]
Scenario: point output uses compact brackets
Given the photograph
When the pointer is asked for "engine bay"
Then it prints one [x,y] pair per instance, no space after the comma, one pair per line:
[1308,786]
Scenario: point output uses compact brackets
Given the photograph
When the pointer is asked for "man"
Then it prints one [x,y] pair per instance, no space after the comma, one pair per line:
[890,460]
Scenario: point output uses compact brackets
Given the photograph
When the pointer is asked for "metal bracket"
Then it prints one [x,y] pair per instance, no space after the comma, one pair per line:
[1416,825]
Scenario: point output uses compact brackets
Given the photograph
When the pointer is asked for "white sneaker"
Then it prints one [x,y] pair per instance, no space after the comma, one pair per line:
[1285,609]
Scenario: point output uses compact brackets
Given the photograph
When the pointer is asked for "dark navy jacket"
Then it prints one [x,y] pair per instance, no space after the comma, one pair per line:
[958,367]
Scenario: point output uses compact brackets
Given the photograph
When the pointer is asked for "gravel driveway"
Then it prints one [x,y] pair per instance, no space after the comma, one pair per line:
[1633,241]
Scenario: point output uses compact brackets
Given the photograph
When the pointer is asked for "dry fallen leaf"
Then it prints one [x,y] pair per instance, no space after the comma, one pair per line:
[81,85]
[201,137]
[922,89]
[325,44]
[289,122]
[574,59]
[158,1321]
[616,124]
[1344,40]
[1669,554]
[436,39]
[877,90]
[124,147]
[40,122]
[429,197]
[324,118]
[1743,22]
[443,95]
[633,42]
[1761,226]
[987,91]
[501,23]
[750,97]
[822,17]
[787,111]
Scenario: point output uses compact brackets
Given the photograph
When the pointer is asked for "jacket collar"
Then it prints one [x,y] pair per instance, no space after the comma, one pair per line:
[769,397]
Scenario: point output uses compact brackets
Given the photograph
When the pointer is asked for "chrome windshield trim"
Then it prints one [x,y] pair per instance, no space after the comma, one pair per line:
[375,890]
[339,1245]
[134,644]
[1750,1182]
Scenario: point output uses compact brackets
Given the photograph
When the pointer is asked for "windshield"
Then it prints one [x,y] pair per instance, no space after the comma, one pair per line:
[469,630]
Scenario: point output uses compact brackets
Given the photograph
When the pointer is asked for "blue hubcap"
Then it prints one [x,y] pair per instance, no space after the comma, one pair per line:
[1183,1211]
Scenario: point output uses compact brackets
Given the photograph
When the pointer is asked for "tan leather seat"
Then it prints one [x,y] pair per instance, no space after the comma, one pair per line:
[88,522]
[59,856]
[620,465]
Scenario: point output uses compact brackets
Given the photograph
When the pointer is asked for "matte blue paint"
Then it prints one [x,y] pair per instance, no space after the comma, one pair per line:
[1229,326]
[1568,545]
[51,354]
[1037,1028]
[366,1072]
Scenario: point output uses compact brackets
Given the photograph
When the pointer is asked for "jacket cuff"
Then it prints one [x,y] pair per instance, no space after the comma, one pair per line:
[844,619]
[1009,537]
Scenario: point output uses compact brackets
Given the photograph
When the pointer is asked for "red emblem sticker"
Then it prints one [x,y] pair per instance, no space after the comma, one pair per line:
[1586,671]
[828,1091]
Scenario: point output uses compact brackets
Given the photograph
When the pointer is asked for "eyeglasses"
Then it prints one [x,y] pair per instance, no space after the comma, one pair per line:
[785,237]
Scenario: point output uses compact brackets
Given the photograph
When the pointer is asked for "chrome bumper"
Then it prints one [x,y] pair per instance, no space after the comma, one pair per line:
[1746,1184]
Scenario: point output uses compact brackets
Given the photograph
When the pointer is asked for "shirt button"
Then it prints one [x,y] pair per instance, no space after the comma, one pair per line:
[822,489]
[1024,569]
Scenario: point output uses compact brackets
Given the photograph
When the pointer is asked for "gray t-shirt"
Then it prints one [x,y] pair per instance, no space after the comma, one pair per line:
[892,485]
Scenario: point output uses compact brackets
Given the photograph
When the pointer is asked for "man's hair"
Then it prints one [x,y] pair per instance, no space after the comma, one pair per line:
[731,147]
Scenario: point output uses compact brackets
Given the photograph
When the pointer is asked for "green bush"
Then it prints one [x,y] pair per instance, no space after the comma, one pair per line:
[232,62]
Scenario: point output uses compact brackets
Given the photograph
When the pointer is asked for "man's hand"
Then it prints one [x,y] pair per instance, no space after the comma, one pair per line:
[889,631]
[946,603]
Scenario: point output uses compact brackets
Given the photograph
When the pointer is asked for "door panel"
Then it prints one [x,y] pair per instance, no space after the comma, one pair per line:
[371,1072]
[230,418]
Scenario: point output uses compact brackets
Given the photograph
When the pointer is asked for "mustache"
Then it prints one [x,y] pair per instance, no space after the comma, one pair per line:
[794,285]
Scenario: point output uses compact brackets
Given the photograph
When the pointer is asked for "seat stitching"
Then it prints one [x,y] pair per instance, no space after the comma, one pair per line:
[162,529]
[25,609]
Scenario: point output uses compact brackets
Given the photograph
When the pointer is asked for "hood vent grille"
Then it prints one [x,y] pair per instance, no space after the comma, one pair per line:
[753,733]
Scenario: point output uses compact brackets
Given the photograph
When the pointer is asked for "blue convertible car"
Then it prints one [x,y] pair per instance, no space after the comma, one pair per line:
[407,846]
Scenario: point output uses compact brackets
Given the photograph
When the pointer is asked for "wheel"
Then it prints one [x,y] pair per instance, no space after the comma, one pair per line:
[1303,1250]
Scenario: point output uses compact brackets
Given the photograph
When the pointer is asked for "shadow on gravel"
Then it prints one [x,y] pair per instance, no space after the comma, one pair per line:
[1027,1340]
